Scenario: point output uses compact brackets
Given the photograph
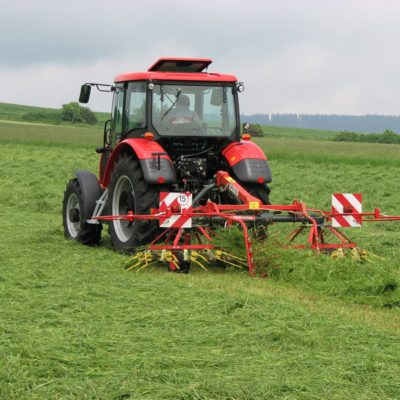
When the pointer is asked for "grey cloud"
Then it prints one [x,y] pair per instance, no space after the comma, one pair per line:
[294,55]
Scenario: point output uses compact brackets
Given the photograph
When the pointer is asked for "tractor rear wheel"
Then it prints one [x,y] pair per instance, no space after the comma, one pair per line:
[128,191]
[75,226]
[259,190]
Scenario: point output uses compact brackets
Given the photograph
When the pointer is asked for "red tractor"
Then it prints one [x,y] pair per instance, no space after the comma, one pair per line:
[171,129]
[174,167]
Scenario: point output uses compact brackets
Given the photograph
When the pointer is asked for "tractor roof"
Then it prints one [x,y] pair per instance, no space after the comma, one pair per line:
[177,69]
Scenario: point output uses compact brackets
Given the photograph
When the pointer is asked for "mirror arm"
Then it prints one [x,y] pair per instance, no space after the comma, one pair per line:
[101,87]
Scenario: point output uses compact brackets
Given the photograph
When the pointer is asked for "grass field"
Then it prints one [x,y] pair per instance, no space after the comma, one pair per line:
[75,325]
[297,133]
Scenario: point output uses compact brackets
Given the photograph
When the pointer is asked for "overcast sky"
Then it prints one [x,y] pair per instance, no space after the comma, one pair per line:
[304,56]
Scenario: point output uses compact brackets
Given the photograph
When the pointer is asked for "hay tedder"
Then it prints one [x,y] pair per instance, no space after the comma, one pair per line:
[176,175]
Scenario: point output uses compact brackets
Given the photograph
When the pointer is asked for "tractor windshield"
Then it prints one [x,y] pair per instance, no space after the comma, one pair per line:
[193,110]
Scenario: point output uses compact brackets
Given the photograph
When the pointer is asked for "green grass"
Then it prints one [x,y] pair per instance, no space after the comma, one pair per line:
[322,151]
[75,325]
[50,135]
[297,133]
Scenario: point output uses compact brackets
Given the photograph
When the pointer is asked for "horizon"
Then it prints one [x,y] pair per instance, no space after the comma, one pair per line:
[241,113]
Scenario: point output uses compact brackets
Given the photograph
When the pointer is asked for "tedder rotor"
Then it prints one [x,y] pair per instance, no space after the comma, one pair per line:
[175,173]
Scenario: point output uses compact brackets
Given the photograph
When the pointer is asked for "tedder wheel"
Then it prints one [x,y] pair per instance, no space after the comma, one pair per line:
[75,227]
[128,191]
[184,266]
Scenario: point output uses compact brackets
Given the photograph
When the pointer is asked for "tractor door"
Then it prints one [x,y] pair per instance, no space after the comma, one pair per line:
[113,132]
[135,123]
[117,114]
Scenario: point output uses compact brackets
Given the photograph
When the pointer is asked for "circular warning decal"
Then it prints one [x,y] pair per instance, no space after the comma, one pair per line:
[183,199]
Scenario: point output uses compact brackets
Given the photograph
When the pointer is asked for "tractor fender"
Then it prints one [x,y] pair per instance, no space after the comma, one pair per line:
[90,190]
[155,162]
[248,162]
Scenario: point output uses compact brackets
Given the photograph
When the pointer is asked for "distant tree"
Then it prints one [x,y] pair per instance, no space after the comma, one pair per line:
[389,137]
[255,130]
[88,116]
[73,112]
[347,137]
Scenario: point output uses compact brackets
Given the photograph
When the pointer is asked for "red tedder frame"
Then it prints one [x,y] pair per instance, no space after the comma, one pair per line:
[175,238]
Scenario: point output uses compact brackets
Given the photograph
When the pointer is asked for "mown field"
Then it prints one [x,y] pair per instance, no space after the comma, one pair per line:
[75,325]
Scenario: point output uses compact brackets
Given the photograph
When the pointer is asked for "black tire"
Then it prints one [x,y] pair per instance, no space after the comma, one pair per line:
[75,227]
[128,191]
[261,191]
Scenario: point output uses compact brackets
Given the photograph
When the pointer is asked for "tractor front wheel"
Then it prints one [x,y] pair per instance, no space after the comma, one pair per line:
[128,191]
[75,226]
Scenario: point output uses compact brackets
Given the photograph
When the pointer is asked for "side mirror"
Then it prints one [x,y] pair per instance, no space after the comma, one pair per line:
[85,93]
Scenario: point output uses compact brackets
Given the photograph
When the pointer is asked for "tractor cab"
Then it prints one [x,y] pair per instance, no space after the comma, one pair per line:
[175,99]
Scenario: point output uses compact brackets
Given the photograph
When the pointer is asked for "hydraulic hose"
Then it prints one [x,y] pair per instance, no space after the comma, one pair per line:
[202,193]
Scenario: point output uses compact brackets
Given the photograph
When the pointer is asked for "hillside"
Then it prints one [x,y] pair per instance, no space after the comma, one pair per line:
[49,116]
[303,126]
[75,324]
[43,115]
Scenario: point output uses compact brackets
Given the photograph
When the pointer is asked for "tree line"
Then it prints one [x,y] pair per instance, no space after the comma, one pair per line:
[387,136]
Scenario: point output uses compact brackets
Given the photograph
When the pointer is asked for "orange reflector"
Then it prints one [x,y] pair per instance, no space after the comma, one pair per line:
[246,136]
[148,135]
[176,209]
[153,211]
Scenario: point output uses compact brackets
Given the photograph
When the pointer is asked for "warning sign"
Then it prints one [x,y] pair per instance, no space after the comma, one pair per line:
[350,205]
[175,202]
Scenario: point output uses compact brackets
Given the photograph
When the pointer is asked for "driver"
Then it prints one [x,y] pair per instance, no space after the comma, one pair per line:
[182,113]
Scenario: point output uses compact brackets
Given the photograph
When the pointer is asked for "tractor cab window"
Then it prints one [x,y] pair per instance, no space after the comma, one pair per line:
[191,110]
[116,115]
[135,106]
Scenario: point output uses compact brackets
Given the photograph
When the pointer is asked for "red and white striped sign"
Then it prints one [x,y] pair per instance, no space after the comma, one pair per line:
[347,203]
[175,201]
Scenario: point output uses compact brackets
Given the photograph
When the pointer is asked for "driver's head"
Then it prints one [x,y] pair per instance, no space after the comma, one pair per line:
[183,101]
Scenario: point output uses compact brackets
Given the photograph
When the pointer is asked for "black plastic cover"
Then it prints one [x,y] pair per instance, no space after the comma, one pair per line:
[251,169]
[155,168]
[181,64]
